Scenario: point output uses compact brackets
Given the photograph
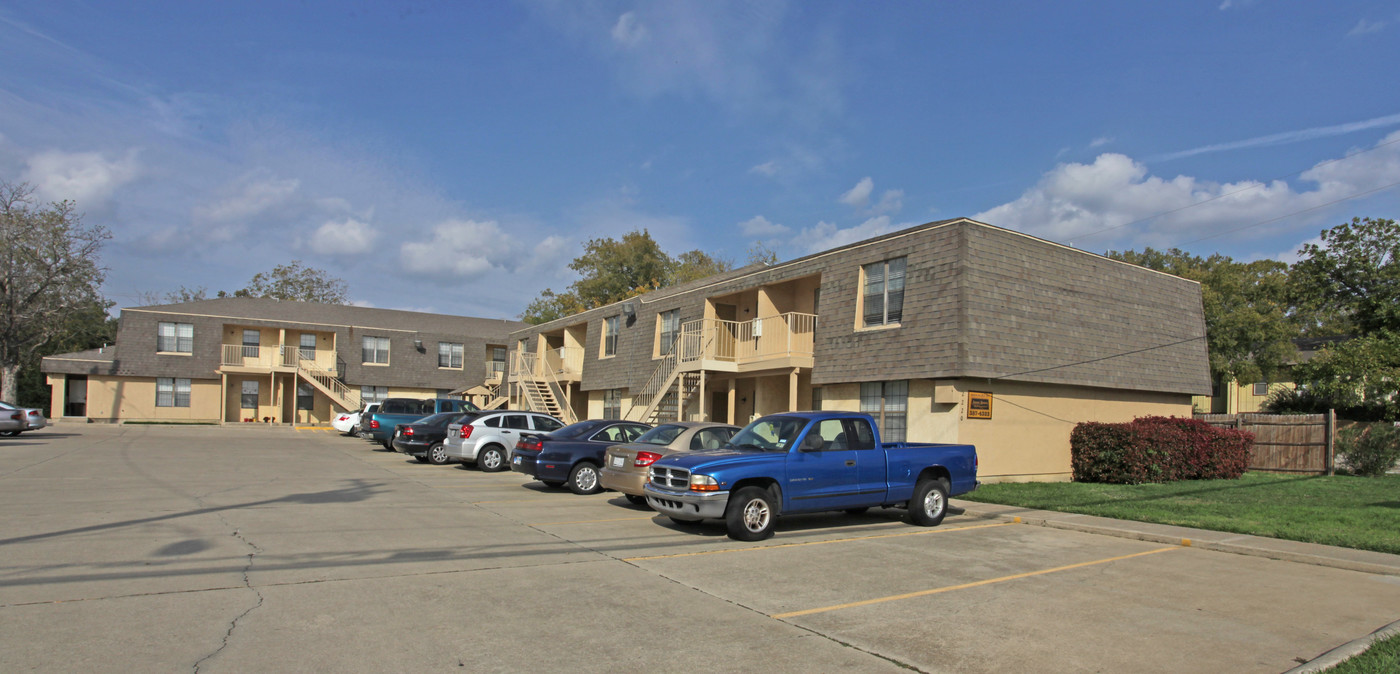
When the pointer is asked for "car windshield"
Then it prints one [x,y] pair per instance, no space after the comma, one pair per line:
[661,435]
[577,430]
[770,434]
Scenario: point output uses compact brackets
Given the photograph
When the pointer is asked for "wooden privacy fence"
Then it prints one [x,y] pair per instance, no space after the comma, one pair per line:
[1286,443]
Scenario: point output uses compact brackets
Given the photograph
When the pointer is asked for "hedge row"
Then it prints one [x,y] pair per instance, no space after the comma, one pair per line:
[1158,449]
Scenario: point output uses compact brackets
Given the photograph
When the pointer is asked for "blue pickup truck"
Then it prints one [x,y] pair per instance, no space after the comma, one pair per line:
[802,462]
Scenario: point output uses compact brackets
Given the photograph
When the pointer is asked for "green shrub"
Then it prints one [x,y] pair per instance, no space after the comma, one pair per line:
[1370,451]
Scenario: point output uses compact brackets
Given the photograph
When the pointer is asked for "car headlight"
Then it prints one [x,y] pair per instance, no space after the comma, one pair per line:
[703,483]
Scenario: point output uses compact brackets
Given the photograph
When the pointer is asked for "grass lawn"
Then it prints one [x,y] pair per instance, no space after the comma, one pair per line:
[1352,512]
[1383,657]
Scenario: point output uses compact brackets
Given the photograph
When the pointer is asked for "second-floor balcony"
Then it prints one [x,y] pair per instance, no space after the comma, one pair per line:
[239,358]
[785,340]
[563,364]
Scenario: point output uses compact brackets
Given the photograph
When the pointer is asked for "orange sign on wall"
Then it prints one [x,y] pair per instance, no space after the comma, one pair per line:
[979,405]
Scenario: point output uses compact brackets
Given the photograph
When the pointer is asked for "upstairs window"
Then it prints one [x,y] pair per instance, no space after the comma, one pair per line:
[670,323]
[610,325]
[175,337]
[307,350]
[375,350]
[883,292]
[450,355]
[252,339]
[497,365]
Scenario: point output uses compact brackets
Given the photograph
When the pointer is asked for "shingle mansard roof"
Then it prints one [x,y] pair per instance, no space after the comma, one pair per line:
[257,308]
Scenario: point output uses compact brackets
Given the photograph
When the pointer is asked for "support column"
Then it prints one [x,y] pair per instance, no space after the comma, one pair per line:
[223,398]
[701,393]
[792,391]
[733,387]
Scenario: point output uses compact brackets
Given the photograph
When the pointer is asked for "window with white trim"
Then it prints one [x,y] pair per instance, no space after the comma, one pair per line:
[883,292]
[375,350]
[248,399]
[307,350]
[450,355]
[252,339]
[175,337]
[612,403]
[373,394]
[670,328]
[306,397]
[610,326]
[172,392]
[497,365]
[888,402]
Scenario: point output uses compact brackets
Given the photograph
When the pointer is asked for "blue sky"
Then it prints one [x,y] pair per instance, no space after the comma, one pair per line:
[454,156]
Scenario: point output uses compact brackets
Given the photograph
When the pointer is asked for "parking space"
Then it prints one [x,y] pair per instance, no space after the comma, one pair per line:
[276,549]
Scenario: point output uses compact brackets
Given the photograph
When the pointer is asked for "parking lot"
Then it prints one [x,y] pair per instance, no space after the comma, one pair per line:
[147,548]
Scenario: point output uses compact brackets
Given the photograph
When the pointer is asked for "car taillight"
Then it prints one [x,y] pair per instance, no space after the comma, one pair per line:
[645,459]
[33,413]
[532,445]
[408,431]
[374,423]
[466,431]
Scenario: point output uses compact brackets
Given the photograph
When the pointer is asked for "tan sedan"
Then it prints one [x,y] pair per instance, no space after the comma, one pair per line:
[625,467]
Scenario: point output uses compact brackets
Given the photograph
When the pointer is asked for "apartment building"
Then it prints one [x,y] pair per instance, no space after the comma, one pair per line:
[952,331]
[244,359]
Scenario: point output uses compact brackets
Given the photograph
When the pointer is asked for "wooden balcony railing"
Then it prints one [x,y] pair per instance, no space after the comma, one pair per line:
[740,342]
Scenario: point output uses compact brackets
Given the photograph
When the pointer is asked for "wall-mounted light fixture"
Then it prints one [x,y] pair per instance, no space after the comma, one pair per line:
[418,344]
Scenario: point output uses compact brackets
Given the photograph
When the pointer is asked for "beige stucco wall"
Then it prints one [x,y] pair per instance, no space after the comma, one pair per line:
[1027,438]
[134,399]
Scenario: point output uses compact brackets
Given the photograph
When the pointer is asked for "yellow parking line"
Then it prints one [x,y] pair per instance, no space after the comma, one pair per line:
[616,519]
[950,588]
[838,540]
[315,428]
[517,500]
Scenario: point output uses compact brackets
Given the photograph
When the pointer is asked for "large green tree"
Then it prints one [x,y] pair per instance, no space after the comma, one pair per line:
[1349,282]
[1249,332]
[615,269]
[49,269]
[294,282]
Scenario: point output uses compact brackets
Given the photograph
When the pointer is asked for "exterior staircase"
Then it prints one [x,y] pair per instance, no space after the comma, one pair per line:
[667,392]
[329,383]
[541,389]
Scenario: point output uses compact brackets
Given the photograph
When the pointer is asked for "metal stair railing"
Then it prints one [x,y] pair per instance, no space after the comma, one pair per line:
[333,387]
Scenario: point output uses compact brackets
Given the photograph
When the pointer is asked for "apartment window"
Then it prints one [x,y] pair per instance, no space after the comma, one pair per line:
[610,325]
[1261,388]
[498,360]
[888,402]
[375,350]
[175,337]
[450,355]
[373,394]
[251,340]
[883,293]
[817,399]
[307,351]
[171,392]
[670,327]
[249,399]
[306,397]
[612,403]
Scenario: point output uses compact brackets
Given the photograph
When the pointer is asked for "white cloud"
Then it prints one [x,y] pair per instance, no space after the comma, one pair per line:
[892,201]
[825,235]
[463,248]
[254,197]
[760,227]
[87,178]
[1364,27]
[769,169]
[1076,200]
[350,237]
[860,194]
[1100,141]
[1296,253]
[628,31]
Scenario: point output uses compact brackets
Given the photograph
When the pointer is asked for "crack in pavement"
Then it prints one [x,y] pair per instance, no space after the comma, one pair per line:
[233,625]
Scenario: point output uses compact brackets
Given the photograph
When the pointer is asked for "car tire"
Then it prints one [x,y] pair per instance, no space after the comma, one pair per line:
[636,499]
[9,434]
[552,484]
[583,479]
[388,446]
[492,459]
[420,458]
[751,515]
[437,454]
[930,502]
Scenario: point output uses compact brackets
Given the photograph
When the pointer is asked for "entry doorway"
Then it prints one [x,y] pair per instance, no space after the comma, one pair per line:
[75,396]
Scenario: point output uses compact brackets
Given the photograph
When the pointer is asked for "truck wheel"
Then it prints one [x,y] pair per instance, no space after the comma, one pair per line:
[751,514]
[930,502]
[437,454]
[584,479]
[491,460]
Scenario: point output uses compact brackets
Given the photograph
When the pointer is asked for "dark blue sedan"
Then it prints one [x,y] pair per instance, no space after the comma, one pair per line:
[573,454]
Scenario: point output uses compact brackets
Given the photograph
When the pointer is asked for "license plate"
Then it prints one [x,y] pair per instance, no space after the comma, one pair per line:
[515,460]
[617,462]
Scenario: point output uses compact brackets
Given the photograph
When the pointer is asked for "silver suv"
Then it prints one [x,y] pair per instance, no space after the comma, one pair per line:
[489,439]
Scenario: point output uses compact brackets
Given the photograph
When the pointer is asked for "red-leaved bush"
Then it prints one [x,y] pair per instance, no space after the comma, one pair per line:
[1157,449]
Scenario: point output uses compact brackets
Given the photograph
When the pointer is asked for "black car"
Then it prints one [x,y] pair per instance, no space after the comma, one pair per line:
[573,454]
[423,439]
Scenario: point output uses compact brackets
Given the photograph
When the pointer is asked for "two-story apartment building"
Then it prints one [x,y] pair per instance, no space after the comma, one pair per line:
[953,331]
[239,359]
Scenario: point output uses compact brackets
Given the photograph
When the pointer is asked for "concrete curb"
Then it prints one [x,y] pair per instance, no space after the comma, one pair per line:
[1346,651]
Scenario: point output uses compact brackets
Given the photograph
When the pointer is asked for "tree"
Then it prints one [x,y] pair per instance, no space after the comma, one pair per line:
[1356,377]
[50,269]
[295,282]
[86,327]
[611,270]
[760,253]
[1350,282]
[1249,333]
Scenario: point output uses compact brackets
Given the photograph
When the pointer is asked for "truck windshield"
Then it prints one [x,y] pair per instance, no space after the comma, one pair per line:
[769,434]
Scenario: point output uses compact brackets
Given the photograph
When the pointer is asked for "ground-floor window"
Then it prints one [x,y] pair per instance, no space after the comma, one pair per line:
[172,392]
[306,397]
[612,403]
[373,394]
[817,399]
[249,399]
[888,402]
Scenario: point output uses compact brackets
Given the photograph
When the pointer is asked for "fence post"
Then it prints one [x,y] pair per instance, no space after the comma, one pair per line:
[1331,434]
